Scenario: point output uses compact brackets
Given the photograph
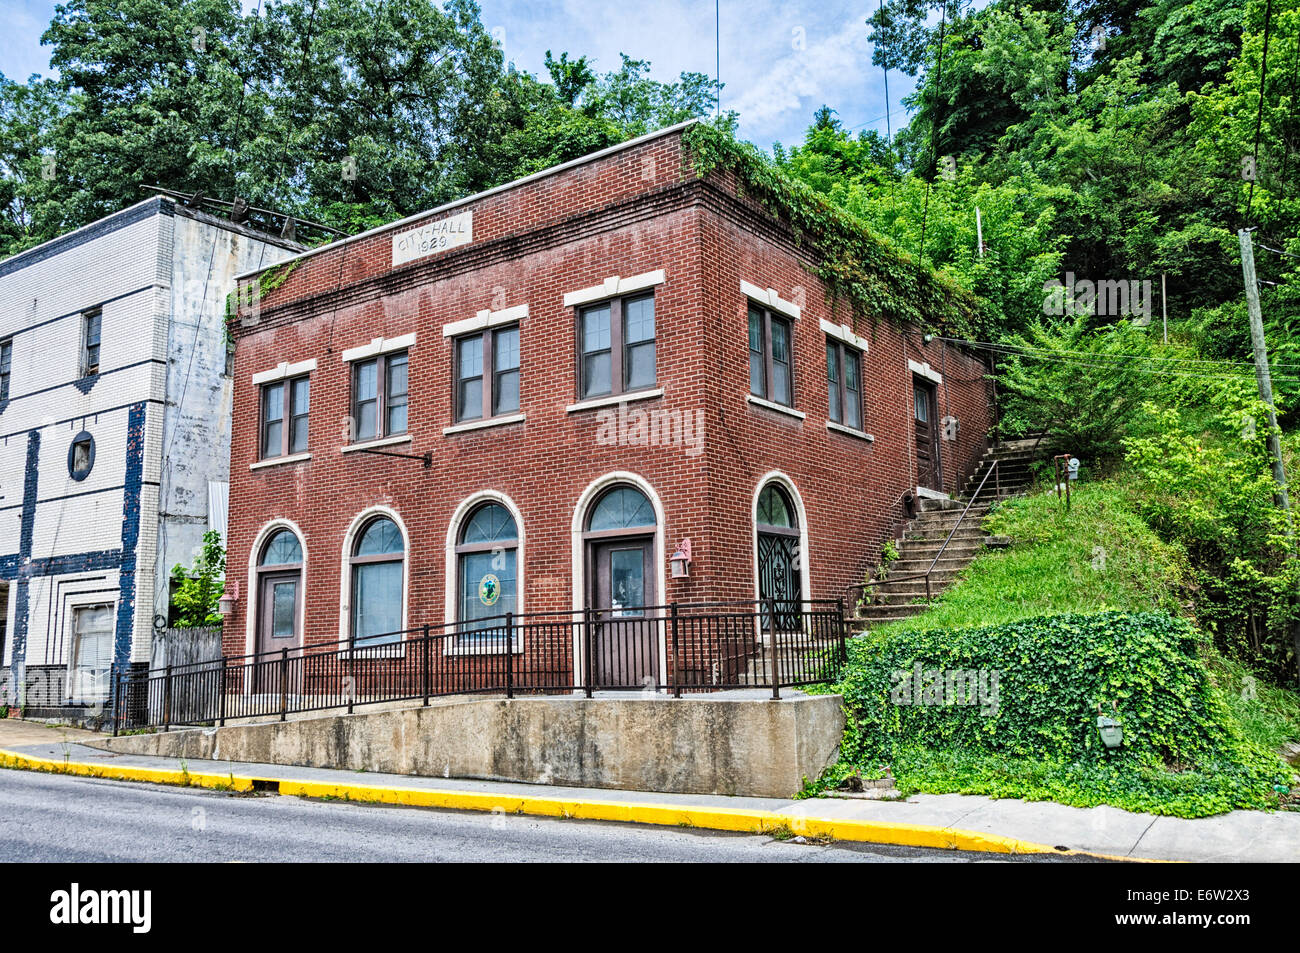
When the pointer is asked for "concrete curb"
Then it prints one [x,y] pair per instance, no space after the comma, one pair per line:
[740,820]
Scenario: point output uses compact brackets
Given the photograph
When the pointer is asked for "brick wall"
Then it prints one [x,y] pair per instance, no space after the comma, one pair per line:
[626,214]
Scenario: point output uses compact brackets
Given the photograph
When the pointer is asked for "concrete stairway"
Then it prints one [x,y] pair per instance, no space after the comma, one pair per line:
[924,537]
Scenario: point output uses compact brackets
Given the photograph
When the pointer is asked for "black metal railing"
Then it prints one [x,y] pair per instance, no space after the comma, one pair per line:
[676,648]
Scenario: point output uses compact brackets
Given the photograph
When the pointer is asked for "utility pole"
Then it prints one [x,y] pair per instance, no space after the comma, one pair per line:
[1266,392]
[1261,365]
[979,231]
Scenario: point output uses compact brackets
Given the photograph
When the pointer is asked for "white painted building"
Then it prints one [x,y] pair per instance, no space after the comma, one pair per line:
[114,437]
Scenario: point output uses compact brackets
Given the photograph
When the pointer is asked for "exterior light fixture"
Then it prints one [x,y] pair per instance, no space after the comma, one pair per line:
[226,604]
[681,559]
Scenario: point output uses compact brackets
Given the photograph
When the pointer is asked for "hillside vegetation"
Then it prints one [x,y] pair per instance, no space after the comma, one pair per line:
[1087,613]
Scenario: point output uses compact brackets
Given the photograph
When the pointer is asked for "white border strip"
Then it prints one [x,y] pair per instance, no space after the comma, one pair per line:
[614,286]
[842,332]
[769,297]
[379,346]
[924,370]
[285,370]
[485,319]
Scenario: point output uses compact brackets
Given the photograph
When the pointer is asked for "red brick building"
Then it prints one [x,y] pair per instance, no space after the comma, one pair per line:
[599,362]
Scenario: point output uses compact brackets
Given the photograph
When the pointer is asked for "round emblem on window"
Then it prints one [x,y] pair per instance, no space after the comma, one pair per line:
[81,456]
[489,590]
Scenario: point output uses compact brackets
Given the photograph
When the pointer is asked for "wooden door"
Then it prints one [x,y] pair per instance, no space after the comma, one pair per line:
[926,425]
[622,586]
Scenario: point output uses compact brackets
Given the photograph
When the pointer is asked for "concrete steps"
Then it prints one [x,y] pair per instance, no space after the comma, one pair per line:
[923,539]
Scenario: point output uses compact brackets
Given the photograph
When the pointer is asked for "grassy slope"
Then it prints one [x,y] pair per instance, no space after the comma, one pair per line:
[1099,556]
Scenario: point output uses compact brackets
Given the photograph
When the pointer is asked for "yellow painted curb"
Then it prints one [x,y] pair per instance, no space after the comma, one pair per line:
[116,772]
[741,820]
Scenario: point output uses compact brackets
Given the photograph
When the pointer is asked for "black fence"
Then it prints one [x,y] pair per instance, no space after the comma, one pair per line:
[678,648]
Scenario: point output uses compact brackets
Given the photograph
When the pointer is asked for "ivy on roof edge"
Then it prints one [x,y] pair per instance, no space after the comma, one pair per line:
[857,265]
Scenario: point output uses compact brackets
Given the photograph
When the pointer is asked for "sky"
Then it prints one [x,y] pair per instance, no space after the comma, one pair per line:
[780,61]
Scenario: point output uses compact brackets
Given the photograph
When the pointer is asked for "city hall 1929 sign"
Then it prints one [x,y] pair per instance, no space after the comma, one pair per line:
[433,237]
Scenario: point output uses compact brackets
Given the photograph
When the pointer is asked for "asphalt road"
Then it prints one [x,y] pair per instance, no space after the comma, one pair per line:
[48,818]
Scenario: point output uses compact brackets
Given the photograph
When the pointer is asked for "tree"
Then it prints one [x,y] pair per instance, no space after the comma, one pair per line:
[195,592]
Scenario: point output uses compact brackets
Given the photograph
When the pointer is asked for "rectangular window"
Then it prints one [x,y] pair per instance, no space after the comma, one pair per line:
[92,653]
[379,396]
[6,358]
[616,347]
[285,410]
[844,383]
[91,321]
[771,357]
[487,374]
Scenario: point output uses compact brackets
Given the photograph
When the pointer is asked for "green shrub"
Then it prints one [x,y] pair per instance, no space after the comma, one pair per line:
[1032,730]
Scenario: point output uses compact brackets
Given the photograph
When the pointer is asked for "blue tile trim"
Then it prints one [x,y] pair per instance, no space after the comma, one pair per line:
[130,536]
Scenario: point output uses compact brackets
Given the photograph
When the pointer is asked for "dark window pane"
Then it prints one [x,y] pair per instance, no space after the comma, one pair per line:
[596,374]
[595,329]
[491,523]
[852,390]
[396,366]
[488,587]
[469,398]
[833,380]
[505,362]
[621,508]
[506,400]
[774,508]
[469,378]
[505,349]
[298,435]
[639,366]
[301,396]
[377,602]
[367,420]
[366,403]
[639,320]
[781,362]
[381,536]
[756,358]
[921,403]
[284,604]
[281,550]
[596,362]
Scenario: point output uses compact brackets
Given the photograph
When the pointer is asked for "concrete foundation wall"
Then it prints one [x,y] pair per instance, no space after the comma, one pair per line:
[730,746]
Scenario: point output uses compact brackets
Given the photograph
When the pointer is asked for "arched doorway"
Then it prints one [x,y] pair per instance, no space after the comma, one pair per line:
[621,573]
[779,571]
[279,604]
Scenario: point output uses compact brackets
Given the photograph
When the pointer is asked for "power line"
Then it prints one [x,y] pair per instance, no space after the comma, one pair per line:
[934,124]
[1259,116]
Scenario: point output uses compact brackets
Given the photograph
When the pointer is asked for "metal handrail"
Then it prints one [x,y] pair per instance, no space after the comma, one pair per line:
[951,533]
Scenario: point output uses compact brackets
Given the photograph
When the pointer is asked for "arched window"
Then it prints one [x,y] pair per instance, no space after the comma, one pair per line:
[281,550]
[377,568]
[487,565]
[279,593]
[779,577]
[621,508]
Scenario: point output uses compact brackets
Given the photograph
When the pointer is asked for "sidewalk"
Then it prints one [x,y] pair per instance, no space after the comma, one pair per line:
[952,821]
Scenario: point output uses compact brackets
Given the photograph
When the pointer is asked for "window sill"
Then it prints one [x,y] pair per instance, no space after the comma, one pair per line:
[483,424]
[779,408]
[840,428]
[382,442]
[593,403]
[276,461]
